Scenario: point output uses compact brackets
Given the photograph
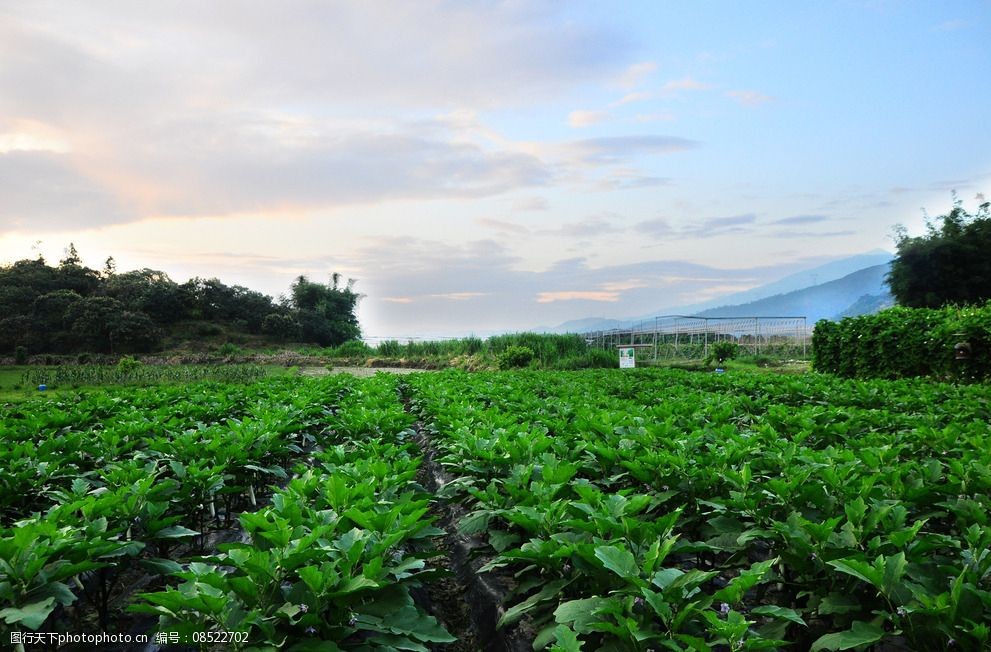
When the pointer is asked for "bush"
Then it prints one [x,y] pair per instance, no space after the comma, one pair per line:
[127,365]
[906,342]
[20,355]
[389,349]
[723,350]
[594,359]
[208,329]
[229,349]
[352,349]
[515,357]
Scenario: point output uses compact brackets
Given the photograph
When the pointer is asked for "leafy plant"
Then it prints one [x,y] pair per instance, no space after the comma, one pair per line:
[515,356]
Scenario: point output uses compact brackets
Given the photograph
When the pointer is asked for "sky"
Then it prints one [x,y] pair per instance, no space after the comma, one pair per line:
[487,166]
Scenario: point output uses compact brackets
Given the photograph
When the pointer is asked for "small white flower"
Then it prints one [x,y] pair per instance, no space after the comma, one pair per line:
[304,608]
[723,608]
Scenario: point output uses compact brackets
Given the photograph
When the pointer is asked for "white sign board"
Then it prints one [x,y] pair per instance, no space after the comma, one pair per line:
[626,358]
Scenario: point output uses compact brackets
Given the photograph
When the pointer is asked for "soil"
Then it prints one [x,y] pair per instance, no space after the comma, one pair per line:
[467,603]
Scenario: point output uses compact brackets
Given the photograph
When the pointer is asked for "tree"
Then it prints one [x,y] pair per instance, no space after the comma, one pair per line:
[950,264]
[280,327]
[325,313]
[72,258]
[150,291]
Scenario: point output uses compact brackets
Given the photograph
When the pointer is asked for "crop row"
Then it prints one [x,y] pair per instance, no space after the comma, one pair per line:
[666,510]
[138,374]
[104,493]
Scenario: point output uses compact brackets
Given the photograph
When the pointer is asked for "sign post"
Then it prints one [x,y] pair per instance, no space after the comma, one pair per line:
[626,357]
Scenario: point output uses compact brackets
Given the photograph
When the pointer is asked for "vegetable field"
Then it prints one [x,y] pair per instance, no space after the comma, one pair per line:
[601,510]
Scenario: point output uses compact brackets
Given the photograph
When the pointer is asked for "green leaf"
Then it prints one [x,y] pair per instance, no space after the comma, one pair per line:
[894,570]
[860,633]
[739,585]
[664,577]
[162,566]
[782,613]
[175,532]
[620,561]
[516,612]
[859,569]
[501,540]
[838,603]
[579,613]
[31,615]
[566,640]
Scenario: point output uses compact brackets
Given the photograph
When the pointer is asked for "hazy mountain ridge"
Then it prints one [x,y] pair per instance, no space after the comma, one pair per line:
[848,287]
[823,301]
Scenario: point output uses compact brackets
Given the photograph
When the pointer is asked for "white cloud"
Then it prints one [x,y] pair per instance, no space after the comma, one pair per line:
[633,75]
[749,98]
[531,204]
[675,86]
[574,295]
[654,117]
[580,119]
[630,98]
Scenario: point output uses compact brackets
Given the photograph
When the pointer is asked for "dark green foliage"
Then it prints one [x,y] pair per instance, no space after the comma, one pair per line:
[137,482]
[546,347]
[352,349]
[950,264]
[551,351]
[281,328]
[906,342]
[325,312]
[724,350]
[71,308]
[20,355]
[686,511]
[515,357]
[592,359]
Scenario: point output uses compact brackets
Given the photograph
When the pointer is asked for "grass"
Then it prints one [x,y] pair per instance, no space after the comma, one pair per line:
[750,364]
[13,389]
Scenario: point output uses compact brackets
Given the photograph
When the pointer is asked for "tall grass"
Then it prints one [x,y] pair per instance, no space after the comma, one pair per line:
[550,350]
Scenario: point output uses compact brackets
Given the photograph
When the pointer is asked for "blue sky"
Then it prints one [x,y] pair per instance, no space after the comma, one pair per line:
[486,166]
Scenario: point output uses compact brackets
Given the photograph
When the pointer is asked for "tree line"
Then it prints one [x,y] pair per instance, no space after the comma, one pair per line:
[949,265]
[71,308]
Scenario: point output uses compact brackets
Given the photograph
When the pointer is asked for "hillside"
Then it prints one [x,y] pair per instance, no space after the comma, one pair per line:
[857,293]
[71,309]
[847,287]
[807,278]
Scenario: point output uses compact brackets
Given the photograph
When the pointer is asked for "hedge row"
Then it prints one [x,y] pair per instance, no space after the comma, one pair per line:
[904,342]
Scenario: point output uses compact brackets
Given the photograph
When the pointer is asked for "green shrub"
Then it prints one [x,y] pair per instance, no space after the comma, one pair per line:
[228,349]
[723,350]
[594,359]
[515,357]
[389,348]
[127,365]
[208,329]
[20,355]
[906,342]
[351,349]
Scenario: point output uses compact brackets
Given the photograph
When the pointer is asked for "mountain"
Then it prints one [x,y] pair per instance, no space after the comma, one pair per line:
[847,287]
[856,293]
[586,324]
[797,281]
